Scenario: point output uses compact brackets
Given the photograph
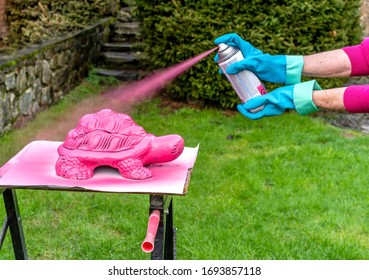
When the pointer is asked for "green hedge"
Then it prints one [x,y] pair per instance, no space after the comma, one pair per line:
[176,30]
[33,21]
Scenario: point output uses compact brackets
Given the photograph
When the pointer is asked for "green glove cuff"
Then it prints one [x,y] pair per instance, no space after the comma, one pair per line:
[303,97]
[294,66]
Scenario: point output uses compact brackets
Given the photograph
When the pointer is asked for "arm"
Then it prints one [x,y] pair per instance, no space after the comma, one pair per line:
[349,61]
[353,99]
[288,69]
[327,64]
[306,98]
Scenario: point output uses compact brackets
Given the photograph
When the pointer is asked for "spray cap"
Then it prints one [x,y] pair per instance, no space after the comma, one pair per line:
[226,51]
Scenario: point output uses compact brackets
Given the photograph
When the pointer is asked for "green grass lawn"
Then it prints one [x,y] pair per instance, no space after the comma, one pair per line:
[287,187]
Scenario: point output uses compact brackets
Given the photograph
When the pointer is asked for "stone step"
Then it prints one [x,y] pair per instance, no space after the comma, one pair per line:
[118,46]
[124,14]
[129,9]
[125,39]
[121,58]
[131,25]
[131,28]
[120,74]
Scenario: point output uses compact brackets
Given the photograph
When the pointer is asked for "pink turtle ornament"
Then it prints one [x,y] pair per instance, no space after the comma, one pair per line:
[108,138]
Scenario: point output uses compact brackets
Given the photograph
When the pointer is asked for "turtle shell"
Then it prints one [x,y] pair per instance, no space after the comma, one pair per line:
[105,131]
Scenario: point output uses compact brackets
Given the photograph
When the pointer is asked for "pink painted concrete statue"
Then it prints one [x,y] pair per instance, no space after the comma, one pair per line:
[112,139]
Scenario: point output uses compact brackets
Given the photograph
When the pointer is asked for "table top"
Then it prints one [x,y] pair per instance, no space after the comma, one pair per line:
[34,168]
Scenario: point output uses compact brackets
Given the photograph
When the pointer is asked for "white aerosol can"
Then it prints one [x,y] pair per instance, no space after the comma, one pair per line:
[246,84]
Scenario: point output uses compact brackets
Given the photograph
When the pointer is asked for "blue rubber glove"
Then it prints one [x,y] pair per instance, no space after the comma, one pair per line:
[286,69]
[298,97]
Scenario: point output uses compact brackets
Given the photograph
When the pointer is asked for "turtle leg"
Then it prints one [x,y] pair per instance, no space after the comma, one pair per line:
[133,169]
[73,168]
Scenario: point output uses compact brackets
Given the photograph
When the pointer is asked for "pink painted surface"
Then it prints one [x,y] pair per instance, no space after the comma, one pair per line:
[108,138]
[148,244]
[34,167]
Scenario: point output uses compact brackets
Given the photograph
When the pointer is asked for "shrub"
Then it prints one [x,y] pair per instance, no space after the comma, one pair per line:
[176,30]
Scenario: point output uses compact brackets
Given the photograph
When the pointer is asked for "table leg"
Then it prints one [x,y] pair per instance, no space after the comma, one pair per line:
[170,245]
[14,224]
[164,246]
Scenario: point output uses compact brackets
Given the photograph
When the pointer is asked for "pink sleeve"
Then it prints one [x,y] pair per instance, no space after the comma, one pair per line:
[356,99]
[359,57]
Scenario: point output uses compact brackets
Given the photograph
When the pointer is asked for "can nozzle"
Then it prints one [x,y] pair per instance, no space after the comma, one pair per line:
[222,47]
[226,51]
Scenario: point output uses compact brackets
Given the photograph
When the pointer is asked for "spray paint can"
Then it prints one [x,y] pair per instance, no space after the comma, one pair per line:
[246,84]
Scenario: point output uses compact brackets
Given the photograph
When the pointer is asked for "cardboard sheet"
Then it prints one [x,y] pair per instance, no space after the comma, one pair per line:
[34,167]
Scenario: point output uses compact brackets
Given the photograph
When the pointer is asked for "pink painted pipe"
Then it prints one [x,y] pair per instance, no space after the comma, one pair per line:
[152,227]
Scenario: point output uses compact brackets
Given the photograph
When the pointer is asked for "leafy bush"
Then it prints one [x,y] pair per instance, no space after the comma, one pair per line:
[176,30]
[34,21]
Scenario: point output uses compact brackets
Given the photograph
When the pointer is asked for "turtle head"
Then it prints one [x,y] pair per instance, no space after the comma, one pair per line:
[165,148]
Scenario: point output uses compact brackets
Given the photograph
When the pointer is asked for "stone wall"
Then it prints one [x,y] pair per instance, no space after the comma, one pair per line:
[3,25]
[40,75]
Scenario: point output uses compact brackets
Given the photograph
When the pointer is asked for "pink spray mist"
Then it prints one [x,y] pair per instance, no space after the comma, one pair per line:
[150,85]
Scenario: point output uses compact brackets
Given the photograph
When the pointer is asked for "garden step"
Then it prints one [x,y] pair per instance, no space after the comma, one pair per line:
[120,58]
[125,38]
[127,28]
[118,46]
[124,14]
[120,74]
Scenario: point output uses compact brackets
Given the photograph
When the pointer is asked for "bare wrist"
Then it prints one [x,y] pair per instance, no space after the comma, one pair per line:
[331,99]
